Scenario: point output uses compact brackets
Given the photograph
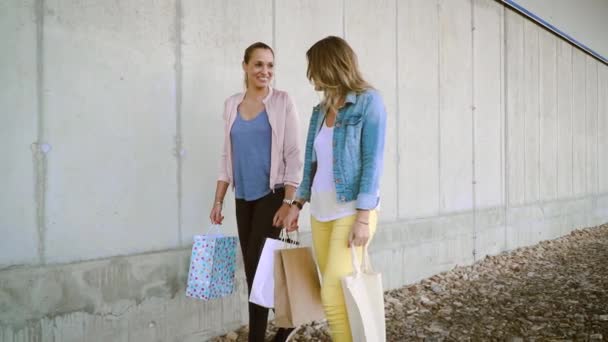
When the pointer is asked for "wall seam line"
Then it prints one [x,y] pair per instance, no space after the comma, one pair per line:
[344,19]
[273,43]
[473,131]
[524,112]
[572,122]
[274,28]
[438,4]
[40,148]
[597,128]
[504,129]
[586,160]
[557,131]
[178,115]
[397,110]
[539,119]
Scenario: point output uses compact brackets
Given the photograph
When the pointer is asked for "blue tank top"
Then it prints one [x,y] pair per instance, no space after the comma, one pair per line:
[251,141]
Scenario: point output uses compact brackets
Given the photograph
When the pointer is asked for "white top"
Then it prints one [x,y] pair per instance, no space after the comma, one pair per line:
[324,205]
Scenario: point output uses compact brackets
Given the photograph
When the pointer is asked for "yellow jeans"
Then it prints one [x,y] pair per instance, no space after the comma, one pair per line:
[330,241]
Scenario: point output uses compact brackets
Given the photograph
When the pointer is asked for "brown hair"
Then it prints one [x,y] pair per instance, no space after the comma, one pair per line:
[249,51]
[333,68]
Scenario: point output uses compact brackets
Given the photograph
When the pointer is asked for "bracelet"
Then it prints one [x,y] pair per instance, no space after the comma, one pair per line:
[362,222]
[220,203]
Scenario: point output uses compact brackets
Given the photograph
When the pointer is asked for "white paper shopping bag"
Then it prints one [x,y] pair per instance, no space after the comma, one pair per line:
[262,290]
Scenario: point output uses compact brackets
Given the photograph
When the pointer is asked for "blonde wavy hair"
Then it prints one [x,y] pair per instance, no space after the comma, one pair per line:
[333,68]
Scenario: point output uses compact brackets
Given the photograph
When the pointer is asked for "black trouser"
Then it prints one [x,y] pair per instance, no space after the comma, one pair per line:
[254,221]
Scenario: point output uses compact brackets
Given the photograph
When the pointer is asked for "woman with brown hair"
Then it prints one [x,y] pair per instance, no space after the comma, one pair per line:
[261,159]
[342,168]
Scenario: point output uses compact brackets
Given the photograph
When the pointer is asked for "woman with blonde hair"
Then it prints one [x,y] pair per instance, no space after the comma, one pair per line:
[342,168]
[261,159]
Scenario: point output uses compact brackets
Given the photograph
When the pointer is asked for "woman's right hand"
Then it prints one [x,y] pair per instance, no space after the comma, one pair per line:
[216,214]
[291,220]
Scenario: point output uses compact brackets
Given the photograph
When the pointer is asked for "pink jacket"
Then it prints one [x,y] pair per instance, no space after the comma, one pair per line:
[285,160]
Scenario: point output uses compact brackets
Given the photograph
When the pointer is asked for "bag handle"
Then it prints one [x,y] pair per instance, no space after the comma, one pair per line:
[285,238]
[214,227]
[361,267]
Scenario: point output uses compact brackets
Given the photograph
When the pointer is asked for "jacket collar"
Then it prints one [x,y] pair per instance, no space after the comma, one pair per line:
[265,100]
[351,98]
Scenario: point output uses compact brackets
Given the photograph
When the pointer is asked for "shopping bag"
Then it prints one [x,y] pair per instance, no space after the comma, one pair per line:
[262,290]
[364,299]
[212,266]
[297,291]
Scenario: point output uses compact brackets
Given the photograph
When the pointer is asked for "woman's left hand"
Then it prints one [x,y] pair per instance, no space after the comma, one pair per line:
[359,234]
[279,217]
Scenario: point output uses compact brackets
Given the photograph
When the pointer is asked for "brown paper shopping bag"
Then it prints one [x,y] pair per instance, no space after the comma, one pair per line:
[297,291]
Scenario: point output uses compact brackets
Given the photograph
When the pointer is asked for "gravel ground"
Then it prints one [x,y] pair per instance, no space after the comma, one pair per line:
[554,291]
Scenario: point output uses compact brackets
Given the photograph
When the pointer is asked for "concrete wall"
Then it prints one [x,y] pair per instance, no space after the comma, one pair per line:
[584,20]
[109,116]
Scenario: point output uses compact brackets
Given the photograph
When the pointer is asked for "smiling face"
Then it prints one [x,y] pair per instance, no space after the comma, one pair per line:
[259,69]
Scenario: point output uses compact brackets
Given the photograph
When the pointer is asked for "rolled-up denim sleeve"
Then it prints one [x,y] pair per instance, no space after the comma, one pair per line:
[372,152]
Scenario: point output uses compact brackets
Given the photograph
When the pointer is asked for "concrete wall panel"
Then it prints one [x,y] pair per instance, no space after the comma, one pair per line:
[515,149]
[294,35]
[455,104]
[490,232]
[361,24]
[591,125]
[602,128]
[531,109]
[564,119]
[488,93]
[132,298]
[212,52]
[600,209]
[418,108]
[548,116]
[579,123]
[111,170]
[18,131]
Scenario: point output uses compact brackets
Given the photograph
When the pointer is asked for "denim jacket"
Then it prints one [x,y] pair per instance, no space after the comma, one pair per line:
[358,149]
